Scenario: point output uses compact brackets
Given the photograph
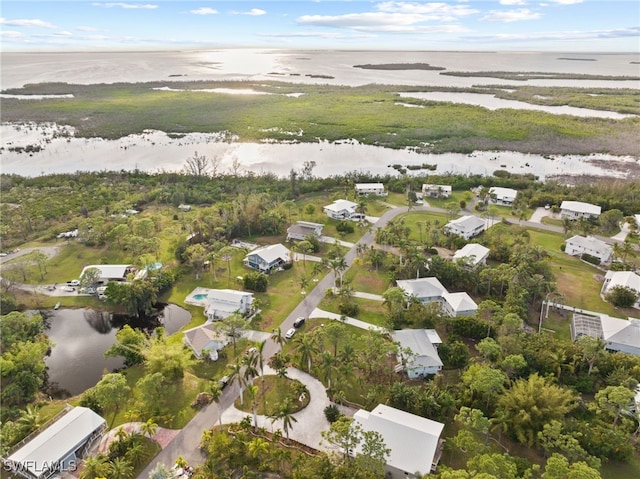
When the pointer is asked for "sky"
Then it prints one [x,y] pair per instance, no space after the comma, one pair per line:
[549,25]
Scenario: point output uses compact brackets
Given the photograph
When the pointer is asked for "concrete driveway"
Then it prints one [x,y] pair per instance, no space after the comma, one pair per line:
[311,421]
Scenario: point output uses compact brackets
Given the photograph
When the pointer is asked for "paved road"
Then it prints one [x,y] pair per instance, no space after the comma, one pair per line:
[186,442]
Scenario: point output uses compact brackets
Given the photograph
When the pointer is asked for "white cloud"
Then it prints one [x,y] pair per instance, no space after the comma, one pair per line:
[26,22]
[11,34]
[254,12]
[566,2]
[326,35]
[558,36]
[204,11]
[83,28]
[440,10]
[513,2]
[510,15]
[126,6]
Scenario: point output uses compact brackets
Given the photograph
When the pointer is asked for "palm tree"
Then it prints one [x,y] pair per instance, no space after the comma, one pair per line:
[285,412]
[216,394]
[338,266]
[304,283]
[235,376]
[317,269]
[95,466]
[119,468]
[135,454]
[250,371]
[306,345]
[260,358]
[277,336]
[29,419]
[149,428]
[252,391]
[258,448]
[327,367]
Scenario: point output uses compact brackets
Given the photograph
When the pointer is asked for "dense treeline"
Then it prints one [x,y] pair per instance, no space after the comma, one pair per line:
[51,204]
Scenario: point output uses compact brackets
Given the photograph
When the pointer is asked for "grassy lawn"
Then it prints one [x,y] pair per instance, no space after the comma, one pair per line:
[212,370]
[371,312]
[622,470]
[272,392]
[416,220]
[367,280]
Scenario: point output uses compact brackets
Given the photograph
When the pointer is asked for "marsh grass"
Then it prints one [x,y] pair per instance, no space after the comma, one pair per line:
[367,113]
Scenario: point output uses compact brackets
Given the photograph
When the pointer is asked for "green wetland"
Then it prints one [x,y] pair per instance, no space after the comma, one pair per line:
[370,114]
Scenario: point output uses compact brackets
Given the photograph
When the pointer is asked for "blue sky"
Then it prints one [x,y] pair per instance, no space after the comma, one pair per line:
[556,25]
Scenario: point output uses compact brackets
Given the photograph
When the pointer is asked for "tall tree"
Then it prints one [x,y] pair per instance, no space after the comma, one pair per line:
[112,392]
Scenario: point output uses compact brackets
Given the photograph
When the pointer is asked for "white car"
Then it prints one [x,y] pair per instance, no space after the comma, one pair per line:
[289,334]
[74,282]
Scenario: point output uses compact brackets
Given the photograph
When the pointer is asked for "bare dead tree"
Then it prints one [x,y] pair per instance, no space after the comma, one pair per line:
[197,165]
[216,161]
[235,166]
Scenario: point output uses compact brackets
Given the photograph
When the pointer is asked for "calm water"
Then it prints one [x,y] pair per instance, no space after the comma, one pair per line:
[155,151]
[82,336]
[294,66]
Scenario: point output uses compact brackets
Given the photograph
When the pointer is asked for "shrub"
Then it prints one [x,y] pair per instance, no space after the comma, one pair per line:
[349,308]
[287,266]
[345,227]
[332,413]
[622,296]
[590,259]
[255,281]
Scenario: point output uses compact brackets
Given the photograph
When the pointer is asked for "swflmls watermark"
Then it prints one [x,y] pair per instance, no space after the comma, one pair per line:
[31,466]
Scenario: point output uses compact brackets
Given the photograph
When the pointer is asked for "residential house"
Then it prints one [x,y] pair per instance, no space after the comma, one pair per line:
[472,255]
[627,279]
[466,226]
[430,290]
[58,448]
[502,196]
[341,209]
[574,210]
[303,230]
[458,304]
[222,303]
[111,272]
[617,334]
[578,245]
[436,191]
[418,352]
[414,441]
[425,290]
[204,340]
[376,189]
[268,258]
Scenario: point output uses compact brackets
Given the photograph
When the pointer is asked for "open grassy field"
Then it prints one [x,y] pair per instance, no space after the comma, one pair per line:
[369,114]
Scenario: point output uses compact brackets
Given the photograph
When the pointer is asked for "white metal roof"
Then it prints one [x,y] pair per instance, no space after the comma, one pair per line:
[108,271]
[460,301]
[621,331]
[504,194]
[589,242]
[58,441]
[413,440]
[419,342]
[467,223]
[474,251]
[272,253]
[369,186]
[341,205]
[443,188]
[627,279]
[580,207]
[422,287]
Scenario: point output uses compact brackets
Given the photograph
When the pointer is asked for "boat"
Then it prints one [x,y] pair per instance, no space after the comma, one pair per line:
[57,306]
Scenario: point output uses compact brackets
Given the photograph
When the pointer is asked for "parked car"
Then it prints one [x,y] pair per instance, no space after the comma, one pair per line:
[74,282]
[68,289]
[290,333]
[299,322]
[251,351]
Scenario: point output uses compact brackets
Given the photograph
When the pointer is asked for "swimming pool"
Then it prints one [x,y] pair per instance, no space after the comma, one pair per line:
[200,296]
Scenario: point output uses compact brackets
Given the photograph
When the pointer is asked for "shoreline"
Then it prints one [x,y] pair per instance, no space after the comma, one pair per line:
[55,150]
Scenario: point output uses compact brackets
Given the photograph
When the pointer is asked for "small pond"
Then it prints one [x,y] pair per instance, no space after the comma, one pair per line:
[82,336]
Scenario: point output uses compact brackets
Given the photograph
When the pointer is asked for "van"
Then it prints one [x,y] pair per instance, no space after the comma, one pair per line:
[299,322]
